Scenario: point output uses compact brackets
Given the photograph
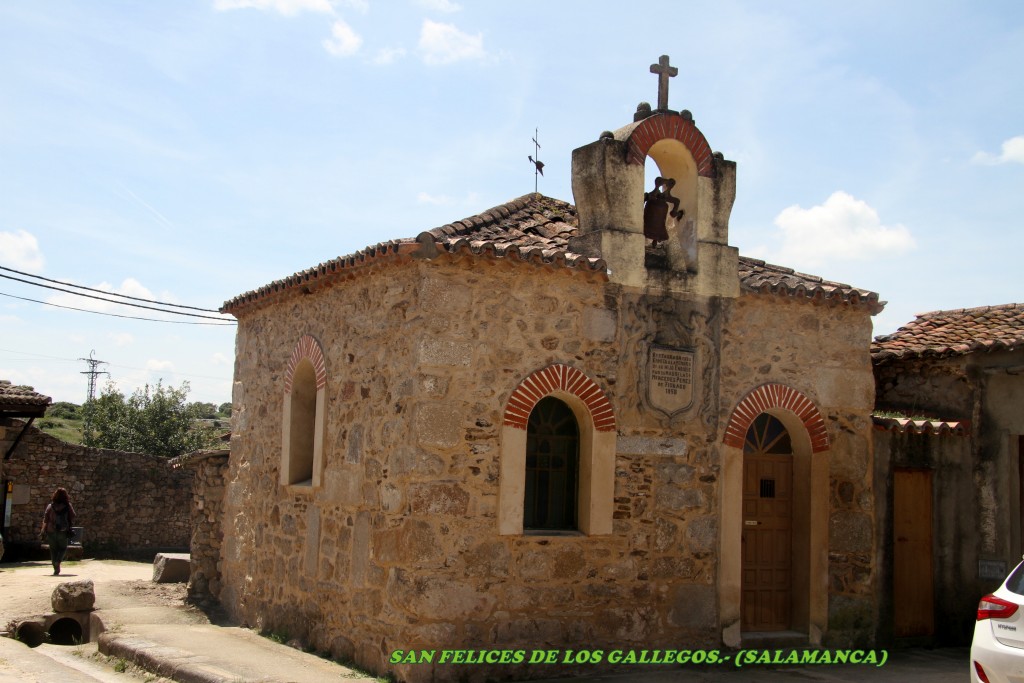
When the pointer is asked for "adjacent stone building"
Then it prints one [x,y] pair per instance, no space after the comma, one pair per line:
[538,427]
[19,407]
[953,464]
[129,504]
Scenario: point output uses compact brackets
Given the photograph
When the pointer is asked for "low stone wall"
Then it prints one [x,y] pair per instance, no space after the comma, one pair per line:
[209,469]
[130,504]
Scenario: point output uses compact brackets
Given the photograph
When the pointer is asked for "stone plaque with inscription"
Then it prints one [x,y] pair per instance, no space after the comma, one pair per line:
[670,374]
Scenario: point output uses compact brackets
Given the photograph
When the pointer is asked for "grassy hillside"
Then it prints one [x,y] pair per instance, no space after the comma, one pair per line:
[64,420]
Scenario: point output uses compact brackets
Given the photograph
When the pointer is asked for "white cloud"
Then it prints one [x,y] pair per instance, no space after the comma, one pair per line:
[220,359]
[446,6]
[843,228]
[155,365]
[20,250]
[1013,151]
[47,381]
[345,42]
[445,44]
[286,7]
[389,55]
[130,286]
[121,338]
[361,6]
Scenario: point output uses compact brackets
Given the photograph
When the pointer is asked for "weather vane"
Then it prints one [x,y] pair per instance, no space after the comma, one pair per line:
[538,165]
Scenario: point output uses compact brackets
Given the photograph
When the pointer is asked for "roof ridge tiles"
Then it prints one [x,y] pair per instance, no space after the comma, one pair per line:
[537,229]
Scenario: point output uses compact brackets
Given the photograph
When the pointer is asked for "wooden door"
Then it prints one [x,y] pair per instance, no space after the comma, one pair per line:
[913,592]
[767,528]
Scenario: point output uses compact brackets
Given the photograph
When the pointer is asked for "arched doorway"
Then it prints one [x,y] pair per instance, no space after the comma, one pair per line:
[767,535]
[755,433]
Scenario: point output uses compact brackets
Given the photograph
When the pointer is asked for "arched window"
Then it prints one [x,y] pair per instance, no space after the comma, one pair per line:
[303,423]
[557,455]
[552,467]
[767,435]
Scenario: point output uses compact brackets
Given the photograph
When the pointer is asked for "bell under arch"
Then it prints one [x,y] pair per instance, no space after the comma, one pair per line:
[610,188]
[669,158]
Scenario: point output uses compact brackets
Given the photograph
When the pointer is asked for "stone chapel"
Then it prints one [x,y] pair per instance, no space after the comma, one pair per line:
[586,426]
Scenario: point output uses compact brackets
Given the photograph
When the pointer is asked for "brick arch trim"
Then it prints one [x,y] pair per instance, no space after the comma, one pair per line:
[675,127]
[554,378]
[768,396]
[307,347]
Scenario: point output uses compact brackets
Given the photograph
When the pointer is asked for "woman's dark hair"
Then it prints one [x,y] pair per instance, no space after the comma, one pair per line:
[60,496]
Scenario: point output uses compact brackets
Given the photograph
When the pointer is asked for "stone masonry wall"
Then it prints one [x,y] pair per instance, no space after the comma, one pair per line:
[821,351]
[209,470]
[923,387]
[399,548]
[129,504]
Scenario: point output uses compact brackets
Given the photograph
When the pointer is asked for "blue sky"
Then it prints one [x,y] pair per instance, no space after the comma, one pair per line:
[189,151]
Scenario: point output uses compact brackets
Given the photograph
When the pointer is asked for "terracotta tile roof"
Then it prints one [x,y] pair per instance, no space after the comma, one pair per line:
[532,220]
[21,399]
[905,425]
[954,333]
[764,278]
[536,228]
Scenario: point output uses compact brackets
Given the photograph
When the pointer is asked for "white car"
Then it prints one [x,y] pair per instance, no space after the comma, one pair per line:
[997,651]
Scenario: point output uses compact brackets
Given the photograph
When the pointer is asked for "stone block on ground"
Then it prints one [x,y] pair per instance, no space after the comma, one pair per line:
[73,596]
[171,567]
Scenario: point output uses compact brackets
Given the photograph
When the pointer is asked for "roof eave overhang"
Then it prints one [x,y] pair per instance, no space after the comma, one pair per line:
[425,247]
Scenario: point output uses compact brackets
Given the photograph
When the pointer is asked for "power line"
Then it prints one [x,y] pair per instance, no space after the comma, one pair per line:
[36,356]
[226,323]
[101,291]
[109,301]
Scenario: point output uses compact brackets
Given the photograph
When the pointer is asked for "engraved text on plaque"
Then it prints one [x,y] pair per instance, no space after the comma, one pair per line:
[670,378]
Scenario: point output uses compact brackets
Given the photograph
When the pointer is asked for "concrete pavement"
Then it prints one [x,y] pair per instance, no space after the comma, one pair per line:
[161,636]
[177,643]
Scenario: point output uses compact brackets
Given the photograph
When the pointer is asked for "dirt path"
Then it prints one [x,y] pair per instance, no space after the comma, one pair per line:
[25,587]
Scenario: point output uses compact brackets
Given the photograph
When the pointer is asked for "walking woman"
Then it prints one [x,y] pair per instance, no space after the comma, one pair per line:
[57,522]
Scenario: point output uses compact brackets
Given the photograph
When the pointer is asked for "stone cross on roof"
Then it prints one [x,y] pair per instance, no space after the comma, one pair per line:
[664,72]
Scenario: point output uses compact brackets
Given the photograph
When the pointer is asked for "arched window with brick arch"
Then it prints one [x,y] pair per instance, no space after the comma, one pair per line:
[557,455]
[303,423]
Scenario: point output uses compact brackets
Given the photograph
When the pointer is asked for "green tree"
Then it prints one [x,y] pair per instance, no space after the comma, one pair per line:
[155,420]
[224,409]
[65,410]
[207,411]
